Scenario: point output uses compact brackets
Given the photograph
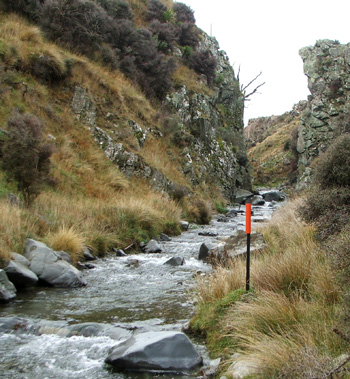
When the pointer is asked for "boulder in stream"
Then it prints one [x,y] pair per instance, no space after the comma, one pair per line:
[204,251]
[242,196]
[20,275]
[7,289]
[156,351]
[50,268]
[152,247]
[274,196]
[175,261]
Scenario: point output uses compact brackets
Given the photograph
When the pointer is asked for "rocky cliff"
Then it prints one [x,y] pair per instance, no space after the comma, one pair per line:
[207,128]
[214,121]
[327,66]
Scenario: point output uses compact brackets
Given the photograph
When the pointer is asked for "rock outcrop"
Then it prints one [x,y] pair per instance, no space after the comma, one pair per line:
[215,124]
[327,66]
[209,132]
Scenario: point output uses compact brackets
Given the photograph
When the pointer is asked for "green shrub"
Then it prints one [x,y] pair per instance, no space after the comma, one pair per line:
[328,202]
[28,8]
[26,156]
[118,9]
[184,13]
[333,167]
[203,62]
[156,10]
[328,209]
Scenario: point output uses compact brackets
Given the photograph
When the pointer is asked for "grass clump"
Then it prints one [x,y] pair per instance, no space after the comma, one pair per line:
[68,240]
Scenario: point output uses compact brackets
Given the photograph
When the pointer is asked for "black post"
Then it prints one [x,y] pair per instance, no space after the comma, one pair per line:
[247,287]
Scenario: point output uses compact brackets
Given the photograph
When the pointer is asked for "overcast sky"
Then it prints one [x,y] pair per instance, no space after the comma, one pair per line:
[265,36]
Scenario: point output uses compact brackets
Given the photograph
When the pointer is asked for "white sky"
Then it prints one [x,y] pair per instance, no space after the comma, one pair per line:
[265,36]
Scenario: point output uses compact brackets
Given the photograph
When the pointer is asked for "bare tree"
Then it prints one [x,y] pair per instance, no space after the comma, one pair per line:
[245,87]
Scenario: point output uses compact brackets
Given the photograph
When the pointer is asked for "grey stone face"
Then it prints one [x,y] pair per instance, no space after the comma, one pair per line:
[326,64]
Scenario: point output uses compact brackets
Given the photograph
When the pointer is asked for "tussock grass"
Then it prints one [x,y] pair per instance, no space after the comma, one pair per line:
[68,240]
[16,224]
[292,308]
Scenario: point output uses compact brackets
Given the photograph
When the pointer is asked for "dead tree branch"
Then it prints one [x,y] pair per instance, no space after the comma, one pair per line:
[244,88]
[252,93]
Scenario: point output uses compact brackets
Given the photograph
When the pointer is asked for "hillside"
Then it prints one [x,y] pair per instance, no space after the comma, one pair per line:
[271,143]
[139,140]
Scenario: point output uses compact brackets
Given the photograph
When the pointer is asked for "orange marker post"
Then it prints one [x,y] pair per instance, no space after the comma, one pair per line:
[248,229]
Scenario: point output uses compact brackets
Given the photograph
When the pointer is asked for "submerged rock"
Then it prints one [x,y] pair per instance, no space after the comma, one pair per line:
[156,351]
[208,234]
[175,261]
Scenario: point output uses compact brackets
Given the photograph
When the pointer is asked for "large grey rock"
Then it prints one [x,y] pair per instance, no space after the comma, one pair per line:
[19,258]
[243,367]
[84,106]
[204,251]
[237,244]
[156,351]
[7,289]
[242,196]
[50,268]
[20,275]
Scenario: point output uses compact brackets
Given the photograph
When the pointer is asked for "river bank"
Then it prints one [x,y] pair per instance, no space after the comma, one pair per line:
[284,326]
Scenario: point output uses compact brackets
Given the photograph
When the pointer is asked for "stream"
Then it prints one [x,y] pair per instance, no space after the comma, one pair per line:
[133,296]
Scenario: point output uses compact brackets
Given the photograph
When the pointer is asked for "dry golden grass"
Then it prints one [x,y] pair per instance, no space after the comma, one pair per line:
[222,281]
[185,76]
[27,44]
[16,224]
[158,155]
[278,353]
[68,240]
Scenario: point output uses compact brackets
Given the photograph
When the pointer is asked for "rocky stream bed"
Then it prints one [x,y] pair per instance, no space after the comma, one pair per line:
[48,332]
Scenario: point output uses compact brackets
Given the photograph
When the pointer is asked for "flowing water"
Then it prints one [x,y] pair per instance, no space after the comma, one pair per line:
[137,293]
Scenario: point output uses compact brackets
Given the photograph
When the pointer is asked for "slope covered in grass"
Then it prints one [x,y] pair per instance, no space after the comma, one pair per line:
[85,192]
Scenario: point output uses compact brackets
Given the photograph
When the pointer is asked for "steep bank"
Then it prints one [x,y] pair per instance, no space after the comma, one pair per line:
[139,159]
